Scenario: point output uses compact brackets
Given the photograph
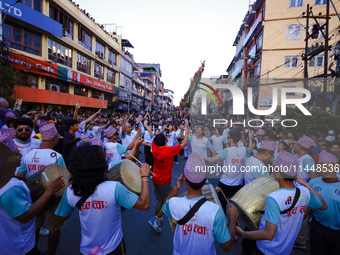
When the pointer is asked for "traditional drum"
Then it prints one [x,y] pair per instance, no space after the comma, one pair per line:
[128,173]
[39,182]
[208,191]
[252,198]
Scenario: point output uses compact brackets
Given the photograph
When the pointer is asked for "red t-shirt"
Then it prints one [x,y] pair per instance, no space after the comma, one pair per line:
[163,161]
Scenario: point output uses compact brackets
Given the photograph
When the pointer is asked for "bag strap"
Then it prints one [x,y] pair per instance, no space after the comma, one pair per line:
[82,201]
[192,211]
[296,199]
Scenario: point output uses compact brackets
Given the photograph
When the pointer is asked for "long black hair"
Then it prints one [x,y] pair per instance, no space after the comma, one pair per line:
[88,169]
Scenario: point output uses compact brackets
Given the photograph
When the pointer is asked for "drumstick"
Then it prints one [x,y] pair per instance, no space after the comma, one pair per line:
[140,162]
[54,155]
[218,189]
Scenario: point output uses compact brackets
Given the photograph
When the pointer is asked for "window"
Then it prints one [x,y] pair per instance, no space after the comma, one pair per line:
[56,14]
[63,85]
[291,62]
[316,61]
[100,50]
[111,58]
[320,1]
[257,68]
[22,38]
[259,41]
[84,38]
[110,77]
[294,32]
[59,53]
[83,64]
[98,71]
[295,3]
[80,90]
[34,4]
[26,80]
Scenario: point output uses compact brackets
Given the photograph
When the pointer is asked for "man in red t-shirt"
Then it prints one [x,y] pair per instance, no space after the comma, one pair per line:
[162,168]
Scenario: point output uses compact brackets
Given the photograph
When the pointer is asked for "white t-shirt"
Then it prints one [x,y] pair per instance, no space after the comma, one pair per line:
[38,159]
[290,223]
[114,151]
[200,146]
[253,168]
[306,164]
[100,215]
[134,133]
[171,138]
[25,148]
[234,158]
[94,132]
[127,140]
[226,133]
[16,237]
[217,142]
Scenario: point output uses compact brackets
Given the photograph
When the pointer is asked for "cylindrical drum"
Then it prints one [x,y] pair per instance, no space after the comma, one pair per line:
[208,191]
[252,198]
[39,182]
[128,173]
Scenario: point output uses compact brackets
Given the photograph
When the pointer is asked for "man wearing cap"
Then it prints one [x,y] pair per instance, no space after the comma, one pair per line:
[198,235]
[17,211]
[35,161]
[114,150]
[255,165]
[162,170]
[234,157]
[325,226]
[330,138]
[279,227]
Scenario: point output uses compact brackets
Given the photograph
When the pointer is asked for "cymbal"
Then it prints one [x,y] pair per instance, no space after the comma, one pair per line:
[8,164]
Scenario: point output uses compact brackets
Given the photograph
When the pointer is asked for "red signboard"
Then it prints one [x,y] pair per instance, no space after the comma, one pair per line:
[32,65]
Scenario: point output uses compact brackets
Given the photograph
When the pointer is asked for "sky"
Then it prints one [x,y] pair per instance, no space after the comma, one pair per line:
[178,35]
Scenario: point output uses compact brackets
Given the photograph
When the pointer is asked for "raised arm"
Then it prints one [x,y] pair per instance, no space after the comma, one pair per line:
[92,116]
[186,138]
[77,106]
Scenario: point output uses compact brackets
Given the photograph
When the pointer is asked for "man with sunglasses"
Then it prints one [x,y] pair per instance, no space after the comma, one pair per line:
[260,137]
[23,130]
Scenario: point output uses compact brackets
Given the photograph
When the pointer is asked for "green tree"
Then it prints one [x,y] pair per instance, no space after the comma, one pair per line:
[7,74]
[320,120]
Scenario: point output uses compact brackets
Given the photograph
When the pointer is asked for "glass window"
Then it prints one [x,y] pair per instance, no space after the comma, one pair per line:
[22,39]
[291,62]
[316,61]
[98,71]
[294,32]
[83,64]
[295,3]
[110,76]
[100,50]
[34,4]
[320,1]
[58,53]
[111,58]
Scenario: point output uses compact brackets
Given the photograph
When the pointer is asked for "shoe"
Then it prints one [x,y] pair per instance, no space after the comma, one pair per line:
[154,223]
[176,163]
[160,220]
[43,232]
[299,246]
[186,158]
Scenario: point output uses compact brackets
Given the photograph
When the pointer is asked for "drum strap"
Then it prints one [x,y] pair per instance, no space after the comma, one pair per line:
[296,199]
[192,211]
[82,201]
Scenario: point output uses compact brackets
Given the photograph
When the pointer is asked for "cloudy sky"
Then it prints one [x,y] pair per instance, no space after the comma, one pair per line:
[176,34]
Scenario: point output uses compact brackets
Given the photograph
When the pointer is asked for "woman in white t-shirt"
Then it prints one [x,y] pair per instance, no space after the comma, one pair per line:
[102,200]
[217,140]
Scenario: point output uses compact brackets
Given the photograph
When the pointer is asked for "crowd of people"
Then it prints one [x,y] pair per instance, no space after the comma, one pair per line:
[88,145]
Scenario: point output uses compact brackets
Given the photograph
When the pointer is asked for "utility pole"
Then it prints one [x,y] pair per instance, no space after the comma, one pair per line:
[306,50]
[324,101]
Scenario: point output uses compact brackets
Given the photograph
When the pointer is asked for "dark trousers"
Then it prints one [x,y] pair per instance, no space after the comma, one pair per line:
[148,155]
[323,240]
[228,191]
[249,246]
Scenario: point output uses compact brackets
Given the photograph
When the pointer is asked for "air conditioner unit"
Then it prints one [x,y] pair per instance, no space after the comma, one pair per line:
[54,87]
[101,55]
[102,98]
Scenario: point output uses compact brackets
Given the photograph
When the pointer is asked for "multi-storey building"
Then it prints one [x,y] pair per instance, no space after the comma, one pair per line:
[274,43]
[62,54]
[168,100]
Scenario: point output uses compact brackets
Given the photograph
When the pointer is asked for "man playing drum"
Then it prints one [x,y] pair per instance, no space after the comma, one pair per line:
[283,215]
[17,212]
[198,234]
[325,226]
[35,161]
[234,157]
[100,201]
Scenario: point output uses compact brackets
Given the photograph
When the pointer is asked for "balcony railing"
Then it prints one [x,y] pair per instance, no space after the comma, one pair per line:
[252,29]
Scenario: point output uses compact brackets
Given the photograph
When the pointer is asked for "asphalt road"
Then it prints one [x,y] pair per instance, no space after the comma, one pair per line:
[139,236]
